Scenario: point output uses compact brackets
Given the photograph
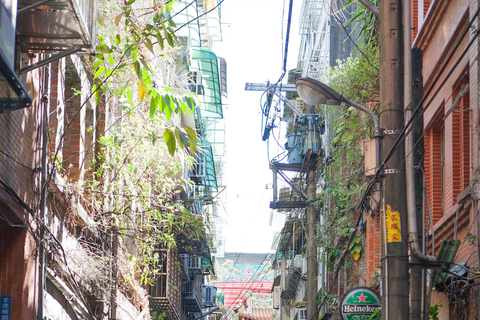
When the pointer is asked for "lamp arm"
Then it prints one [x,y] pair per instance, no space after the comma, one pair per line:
[364,109]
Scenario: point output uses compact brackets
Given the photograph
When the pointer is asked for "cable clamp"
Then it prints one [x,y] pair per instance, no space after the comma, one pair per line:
[385,132]
[392,171]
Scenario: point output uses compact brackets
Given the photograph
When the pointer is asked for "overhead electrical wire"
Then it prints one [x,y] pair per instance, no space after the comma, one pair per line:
[418,110]
[198,17]
[252,283]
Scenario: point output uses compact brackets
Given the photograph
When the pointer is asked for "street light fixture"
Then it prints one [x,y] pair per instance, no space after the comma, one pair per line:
[314,92]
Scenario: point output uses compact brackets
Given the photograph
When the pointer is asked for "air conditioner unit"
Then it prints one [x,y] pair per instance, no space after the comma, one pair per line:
[297,261]
[209,293]
[302,314]
[195,263]
[304,266]
[277,291]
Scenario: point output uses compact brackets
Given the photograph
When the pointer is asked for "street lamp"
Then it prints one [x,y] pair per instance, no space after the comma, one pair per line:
[314,92]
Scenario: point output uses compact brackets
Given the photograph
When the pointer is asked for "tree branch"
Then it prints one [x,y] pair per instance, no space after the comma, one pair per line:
[370,7]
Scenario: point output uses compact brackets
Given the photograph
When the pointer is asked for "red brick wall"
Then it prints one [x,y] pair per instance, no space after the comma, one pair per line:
[18,270]
[416,15]
[456,125]
[74,125]
[445,22]
[20,142]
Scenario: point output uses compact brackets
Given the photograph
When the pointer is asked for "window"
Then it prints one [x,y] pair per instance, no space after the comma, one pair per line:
[435,170]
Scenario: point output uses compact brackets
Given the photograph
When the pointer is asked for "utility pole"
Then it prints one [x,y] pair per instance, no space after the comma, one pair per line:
[395,276]
[418,275]
[312,264]
[310,165]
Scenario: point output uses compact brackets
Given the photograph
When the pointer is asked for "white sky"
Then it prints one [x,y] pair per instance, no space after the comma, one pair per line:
[252,46]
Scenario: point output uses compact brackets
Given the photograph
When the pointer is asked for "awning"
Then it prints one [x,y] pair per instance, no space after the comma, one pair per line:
[446,255]
[204,169]
[215,133]
[207,64]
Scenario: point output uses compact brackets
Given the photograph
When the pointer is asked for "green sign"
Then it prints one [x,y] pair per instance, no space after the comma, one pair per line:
[359,304]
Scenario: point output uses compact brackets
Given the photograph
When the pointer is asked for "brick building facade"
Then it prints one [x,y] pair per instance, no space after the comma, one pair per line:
[445,31]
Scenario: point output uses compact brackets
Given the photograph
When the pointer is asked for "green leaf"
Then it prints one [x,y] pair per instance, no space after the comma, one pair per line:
[146,78]
[153,105]
[173,24]
[117,39]
[169,102]
[192,137]
[109,73]
[130,2]
[175,103]
[168,112]
[170,141]
[110,58]
[183,106]
[149,45]
[99,72]
[97,64]
[181,137]
[103,48]
[160,40]
[96,93]
[356,248]
[191,103]
[163,103]
[136,66]
[169,38]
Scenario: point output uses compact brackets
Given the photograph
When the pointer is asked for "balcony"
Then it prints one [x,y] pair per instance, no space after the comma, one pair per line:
[57,25]
[192,295]
[13,93]
[164,295]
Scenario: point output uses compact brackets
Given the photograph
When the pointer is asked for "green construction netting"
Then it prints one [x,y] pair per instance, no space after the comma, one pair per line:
[207,64]
[205,157]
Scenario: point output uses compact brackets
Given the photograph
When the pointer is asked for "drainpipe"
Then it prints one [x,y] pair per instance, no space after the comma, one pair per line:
[43,194]
[409,143]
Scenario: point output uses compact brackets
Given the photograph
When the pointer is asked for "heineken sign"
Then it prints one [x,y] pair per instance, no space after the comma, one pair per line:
[359,304]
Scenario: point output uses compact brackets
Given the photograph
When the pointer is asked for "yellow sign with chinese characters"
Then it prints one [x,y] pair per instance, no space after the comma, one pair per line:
[392,223]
